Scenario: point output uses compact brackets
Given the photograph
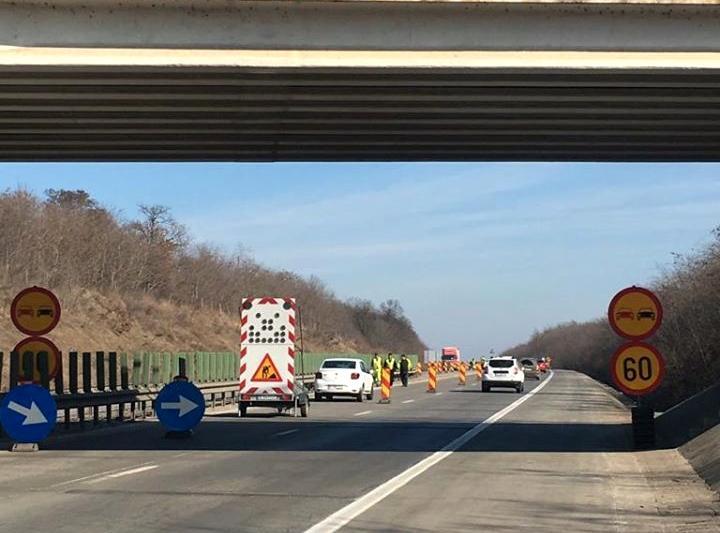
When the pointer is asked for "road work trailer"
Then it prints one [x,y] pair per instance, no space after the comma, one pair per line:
[268,368]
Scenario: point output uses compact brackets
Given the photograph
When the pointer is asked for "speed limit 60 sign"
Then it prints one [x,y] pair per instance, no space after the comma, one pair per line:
[637,368]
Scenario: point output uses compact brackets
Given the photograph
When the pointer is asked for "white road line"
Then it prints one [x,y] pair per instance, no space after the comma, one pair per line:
[362,413]
[343,516]
[125,473]
[99,474]
[288,432]
[408,401]
[438,394]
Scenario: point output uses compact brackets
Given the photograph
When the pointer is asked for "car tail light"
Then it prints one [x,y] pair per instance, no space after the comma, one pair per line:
[515,370]
[318,375]
[355,375]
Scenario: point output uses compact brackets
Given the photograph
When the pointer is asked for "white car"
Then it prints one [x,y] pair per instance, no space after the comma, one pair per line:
[344,377]
[503,372]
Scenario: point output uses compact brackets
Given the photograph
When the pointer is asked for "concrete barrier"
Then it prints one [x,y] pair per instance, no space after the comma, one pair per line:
[689,418]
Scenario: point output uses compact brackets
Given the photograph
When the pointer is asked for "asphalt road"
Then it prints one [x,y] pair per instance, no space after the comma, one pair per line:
[277,473]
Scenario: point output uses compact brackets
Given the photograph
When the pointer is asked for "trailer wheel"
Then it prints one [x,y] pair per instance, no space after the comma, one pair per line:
[304,409]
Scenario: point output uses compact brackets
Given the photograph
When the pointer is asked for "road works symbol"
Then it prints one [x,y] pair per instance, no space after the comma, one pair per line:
[180,406]
[635,313]
[36,346]
[637,368]
[35,311]
[267,371]
[28,413]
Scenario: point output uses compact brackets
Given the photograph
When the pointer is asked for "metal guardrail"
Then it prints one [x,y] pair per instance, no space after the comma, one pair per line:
[116,387]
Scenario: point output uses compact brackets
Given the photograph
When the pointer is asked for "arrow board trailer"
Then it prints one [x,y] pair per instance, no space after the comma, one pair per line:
[268,357]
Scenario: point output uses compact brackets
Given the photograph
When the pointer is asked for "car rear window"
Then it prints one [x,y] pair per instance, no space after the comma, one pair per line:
[339,364]
[501,363]
[527,362]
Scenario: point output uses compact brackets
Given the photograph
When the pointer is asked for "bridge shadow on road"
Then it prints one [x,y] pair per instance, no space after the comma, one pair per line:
[418,435]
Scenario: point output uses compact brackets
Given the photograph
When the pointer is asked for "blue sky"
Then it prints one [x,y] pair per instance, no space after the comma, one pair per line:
[478,254]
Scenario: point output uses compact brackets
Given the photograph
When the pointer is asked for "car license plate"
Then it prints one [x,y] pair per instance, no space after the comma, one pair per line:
[266,397]
[336,387]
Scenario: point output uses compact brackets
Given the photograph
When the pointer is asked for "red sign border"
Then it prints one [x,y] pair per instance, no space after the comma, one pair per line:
[37,338]
[50,295]
[647,390]
[55,302]
[649,294]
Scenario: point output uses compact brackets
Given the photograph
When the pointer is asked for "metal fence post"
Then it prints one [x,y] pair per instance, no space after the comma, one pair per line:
[14,369]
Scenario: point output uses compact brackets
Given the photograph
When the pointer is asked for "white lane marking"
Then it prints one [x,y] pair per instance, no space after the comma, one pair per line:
[125,473]
[351,511]
[288,432]
[98,474]
[362,413]
[408,401]
[438,394]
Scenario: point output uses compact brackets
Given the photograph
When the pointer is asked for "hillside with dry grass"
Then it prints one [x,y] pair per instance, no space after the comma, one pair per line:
[130,285]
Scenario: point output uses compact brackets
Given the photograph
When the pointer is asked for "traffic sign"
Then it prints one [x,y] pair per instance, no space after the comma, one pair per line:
[180,406]
[635,313]
[637,368]
[35,345]
[266,370]
[35,311]
[28,413]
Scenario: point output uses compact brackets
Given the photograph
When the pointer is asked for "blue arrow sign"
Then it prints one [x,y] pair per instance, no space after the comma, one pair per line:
[28,413]
[180,406]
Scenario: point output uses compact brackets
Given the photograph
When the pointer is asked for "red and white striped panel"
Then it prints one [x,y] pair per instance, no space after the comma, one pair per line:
[267,327]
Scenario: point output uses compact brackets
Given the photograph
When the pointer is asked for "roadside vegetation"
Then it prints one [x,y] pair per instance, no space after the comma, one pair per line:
[689,338]
[146,285]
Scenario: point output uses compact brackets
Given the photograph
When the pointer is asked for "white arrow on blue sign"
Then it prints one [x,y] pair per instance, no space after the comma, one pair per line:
[180,406]
[28,413]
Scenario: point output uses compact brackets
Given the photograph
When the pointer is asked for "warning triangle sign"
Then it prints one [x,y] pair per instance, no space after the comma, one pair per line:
[267,371]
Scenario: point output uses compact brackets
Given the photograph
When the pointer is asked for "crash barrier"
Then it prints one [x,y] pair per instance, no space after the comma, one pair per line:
[478,371]
[689,418]
[111,386]
[313,360]
[385,386]
[119,386]
[432,378]
[461,374]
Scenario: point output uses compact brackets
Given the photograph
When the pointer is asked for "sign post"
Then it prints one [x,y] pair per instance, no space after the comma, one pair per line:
[28,411]
[637,368]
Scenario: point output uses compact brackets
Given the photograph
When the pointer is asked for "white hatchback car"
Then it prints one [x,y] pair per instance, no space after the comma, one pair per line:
[503,372]
[344,377]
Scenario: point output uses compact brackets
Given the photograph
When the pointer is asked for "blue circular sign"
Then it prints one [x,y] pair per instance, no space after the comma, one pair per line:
[180,406]
[28,413]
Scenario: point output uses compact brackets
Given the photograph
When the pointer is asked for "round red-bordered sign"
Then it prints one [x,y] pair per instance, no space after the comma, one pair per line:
[633,382]
[635,313]
[35,311]
[54,358]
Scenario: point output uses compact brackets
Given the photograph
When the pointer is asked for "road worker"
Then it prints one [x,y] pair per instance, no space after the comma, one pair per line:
[391,363]
[405,366]
[377,365]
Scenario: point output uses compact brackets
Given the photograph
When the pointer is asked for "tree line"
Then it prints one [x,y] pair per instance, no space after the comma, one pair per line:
[67,240]
[689,337]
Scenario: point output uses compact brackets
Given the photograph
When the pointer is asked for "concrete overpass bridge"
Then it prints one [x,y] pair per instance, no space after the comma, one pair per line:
[354,80]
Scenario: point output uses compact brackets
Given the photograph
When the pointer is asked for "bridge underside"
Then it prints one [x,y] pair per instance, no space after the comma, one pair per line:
[335,114]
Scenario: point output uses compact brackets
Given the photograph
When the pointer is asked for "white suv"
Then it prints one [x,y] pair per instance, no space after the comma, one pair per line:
[343,377]
[503,372]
